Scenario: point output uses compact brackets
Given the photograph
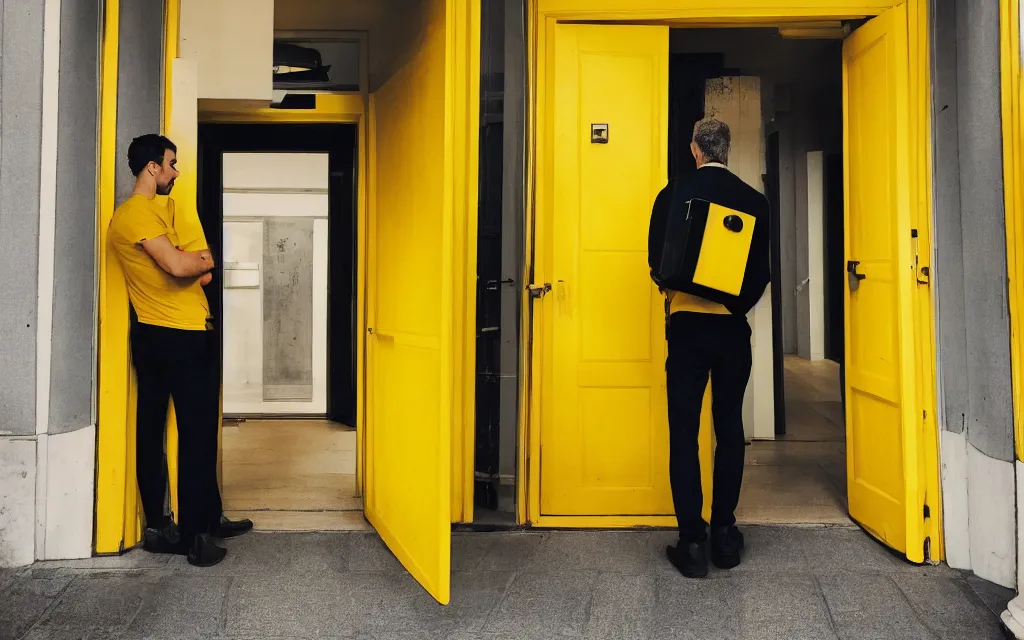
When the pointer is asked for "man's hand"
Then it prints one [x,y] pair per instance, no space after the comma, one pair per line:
[206,278]
[178,263]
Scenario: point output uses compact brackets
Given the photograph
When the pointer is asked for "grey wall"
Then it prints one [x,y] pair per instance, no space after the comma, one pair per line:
[973,316]
[21,95]
[139,82]
[949,248]
[72,361]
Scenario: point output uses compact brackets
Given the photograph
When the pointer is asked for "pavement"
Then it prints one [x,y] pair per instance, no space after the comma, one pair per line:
[795,583]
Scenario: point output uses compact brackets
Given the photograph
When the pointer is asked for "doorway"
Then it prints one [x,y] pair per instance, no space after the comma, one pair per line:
[278,201]
[782,98]
[599,440]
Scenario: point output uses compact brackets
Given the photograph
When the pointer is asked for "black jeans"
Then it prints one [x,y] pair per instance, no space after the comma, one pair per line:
[699,345]
[183,365]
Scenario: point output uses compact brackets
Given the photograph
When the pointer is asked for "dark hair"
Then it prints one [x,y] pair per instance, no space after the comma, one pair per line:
[713,138]
[148,148]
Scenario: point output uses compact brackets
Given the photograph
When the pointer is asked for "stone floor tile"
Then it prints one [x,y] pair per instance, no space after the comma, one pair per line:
[367,552]
[101,601]
[949,607]
[56,633]
[609,551]
[289,606]
[183,606]
[993,595]
[622,607]
[495,552]
[687,609]
[392,603]
[544,603]
[19,611]
[845,549]
[870,606]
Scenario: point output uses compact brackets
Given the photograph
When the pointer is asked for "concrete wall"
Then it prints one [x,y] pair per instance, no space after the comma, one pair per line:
[21,108]
[48,144]
[976,414]
[21,101]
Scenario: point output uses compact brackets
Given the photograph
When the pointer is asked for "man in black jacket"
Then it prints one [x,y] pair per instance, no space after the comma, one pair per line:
[706,338]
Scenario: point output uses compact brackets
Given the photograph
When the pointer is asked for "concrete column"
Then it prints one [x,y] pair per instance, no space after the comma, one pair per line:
[810,292]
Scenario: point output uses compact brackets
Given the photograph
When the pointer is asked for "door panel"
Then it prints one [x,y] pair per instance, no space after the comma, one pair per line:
[880,411]
[604,433]
[410,363]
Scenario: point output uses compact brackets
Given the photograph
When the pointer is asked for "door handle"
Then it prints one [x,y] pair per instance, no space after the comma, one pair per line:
[854,277]
[538,291]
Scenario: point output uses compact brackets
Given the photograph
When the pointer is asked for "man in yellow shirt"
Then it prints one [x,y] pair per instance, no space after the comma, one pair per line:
[707,339]
[174,350]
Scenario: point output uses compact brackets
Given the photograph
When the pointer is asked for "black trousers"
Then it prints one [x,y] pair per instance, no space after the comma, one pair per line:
[699,345]
[173,363]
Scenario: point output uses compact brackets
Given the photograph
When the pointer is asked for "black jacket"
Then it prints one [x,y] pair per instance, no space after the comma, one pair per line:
[722,187]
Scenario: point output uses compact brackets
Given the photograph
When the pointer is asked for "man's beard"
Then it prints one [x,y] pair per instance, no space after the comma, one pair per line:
[165,190]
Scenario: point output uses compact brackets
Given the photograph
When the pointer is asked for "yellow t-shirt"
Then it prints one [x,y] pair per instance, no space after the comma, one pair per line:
[158,297]
[679,301]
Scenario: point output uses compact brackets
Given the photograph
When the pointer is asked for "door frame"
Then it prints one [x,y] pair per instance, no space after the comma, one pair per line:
[543,15]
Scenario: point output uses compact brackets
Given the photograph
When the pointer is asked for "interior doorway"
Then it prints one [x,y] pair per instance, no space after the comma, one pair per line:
[278,203]
[783,101]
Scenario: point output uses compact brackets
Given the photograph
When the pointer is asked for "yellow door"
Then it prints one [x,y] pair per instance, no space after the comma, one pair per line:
[881,414]
[604,426]
[409,347]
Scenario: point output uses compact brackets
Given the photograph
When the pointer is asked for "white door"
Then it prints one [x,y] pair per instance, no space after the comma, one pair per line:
[275,283]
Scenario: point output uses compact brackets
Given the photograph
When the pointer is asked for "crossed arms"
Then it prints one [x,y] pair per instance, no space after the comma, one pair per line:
[178,263]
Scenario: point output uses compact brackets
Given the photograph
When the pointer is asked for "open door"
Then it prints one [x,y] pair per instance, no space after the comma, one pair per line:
[409,389]
[882,442]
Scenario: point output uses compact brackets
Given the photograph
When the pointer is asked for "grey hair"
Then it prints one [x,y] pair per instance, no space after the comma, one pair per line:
[713,139]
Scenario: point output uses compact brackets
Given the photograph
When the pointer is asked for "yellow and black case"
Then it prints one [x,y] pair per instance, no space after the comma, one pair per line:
[706,252]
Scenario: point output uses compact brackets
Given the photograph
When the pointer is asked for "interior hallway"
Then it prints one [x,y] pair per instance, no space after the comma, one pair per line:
[292,475]
[801,478]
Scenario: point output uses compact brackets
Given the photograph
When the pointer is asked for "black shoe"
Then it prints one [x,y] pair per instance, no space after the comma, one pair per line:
[163,539]
[204,553]
[231,528]
[726,546]
[691,559]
